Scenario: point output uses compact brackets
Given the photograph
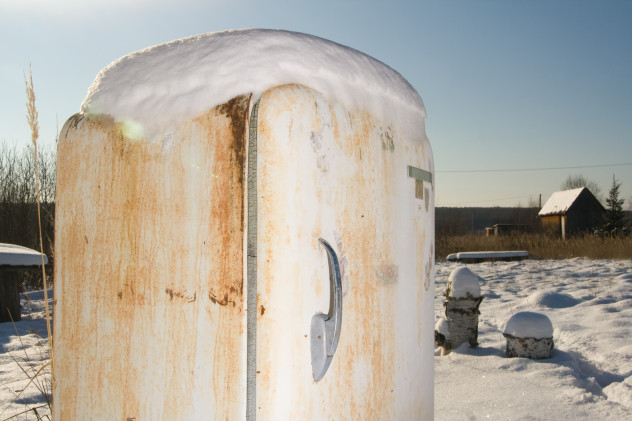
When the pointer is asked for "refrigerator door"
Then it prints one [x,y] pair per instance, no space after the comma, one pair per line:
[149,270]
[327,173]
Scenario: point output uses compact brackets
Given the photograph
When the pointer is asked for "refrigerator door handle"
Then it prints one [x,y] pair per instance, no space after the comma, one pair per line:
[325,328]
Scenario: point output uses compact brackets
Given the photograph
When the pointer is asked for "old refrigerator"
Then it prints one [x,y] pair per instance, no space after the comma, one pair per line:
[276,262]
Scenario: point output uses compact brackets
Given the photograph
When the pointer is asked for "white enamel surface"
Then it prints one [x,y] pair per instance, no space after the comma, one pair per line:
[149,312]
[151,263]
[327,172]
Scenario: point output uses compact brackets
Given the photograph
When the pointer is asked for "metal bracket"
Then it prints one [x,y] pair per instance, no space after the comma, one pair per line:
[420,176]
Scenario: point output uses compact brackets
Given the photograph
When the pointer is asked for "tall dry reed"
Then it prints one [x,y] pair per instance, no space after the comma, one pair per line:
[32,119]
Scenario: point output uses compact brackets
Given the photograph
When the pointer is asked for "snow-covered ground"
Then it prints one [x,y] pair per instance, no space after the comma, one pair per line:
[589,376]
[24,355]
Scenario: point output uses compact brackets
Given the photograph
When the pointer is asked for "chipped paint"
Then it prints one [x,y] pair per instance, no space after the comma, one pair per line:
[344,263]
[149,270]
[387,273]
[428,268]
[177,294]
[426,198]
[388,144]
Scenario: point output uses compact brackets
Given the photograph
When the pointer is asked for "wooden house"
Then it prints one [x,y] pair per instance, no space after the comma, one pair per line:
[571,212]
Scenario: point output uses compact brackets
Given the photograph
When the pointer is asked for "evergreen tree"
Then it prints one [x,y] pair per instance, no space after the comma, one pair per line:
[613,218]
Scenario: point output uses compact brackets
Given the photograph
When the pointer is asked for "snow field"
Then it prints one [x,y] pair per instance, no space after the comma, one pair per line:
[589,376]
[24,346]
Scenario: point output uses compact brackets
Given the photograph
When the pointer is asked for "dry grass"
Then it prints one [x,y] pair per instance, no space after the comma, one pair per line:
[32,119]
[40,375]
[539,246]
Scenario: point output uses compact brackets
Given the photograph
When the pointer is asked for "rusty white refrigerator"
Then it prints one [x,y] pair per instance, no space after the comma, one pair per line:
[276,262]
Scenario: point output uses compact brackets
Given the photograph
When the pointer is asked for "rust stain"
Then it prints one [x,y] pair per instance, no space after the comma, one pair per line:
[188,298]
[362,240]
[229,186]
[224,301]
[137,205]
[74,121]
[428,268]
[343,262]
[426,198]
[236,111]
[388,144]
[334,122]
[366,243]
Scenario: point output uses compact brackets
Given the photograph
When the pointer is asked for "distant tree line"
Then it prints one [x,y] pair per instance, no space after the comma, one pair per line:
[615,221]
[460,221]
[18,209]
[577,181]
[473,220]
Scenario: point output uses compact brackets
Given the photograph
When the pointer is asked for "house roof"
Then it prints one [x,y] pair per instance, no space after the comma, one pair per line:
[560,202]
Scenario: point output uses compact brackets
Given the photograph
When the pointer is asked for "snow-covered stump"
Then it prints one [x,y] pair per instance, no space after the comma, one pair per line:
[463,298]
[529,335]
[442,336]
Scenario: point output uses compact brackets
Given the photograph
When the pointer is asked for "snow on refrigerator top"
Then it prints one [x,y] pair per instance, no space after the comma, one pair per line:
[164,84]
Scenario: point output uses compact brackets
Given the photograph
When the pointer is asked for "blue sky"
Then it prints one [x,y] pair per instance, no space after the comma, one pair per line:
[508,84]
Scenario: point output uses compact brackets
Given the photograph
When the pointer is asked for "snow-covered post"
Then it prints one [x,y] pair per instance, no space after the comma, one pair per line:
[14,259]
[463,297]
[529,335]
[9,297]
